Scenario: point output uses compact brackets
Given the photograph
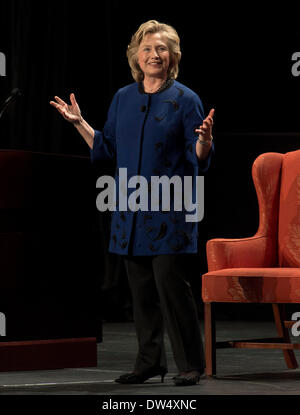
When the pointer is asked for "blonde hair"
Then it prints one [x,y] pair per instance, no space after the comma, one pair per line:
[152,26]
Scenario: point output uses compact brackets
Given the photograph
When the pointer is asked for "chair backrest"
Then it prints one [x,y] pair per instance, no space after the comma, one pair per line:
[266,173]
[289,211]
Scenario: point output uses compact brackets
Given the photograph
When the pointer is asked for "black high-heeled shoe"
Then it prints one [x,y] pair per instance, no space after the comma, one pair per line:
[138,378]
[188,379]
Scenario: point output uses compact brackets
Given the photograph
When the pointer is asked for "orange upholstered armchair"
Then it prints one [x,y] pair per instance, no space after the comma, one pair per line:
[263,268]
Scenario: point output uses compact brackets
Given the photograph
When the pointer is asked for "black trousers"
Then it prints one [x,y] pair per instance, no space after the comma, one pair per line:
[162,295]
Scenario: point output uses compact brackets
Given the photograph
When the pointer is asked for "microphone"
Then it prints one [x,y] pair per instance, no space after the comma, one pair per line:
[13,95]
[143,108]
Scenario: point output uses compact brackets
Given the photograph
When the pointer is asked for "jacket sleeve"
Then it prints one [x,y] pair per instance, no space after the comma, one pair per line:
[104,147]
[193,117]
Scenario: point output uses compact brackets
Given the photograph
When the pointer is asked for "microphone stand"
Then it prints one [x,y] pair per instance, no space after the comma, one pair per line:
[13,96]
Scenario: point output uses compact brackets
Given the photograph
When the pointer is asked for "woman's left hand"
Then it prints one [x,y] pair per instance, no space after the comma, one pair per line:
[205,130]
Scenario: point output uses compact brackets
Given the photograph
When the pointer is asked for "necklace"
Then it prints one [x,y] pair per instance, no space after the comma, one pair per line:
[165,85]
[157,90]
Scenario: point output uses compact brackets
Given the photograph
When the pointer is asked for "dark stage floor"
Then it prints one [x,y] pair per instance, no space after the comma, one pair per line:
[240,371]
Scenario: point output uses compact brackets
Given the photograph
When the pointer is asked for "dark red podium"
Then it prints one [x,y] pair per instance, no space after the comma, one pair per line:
[49,278]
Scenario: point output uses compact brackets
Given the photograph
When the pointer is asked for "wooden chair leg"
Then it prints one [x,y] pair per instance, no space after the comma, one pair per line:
[210,339]
[279,316]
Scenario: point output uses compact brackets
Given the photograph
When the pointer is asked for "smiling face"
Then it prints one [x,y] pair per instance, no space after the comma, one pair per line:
[154,55]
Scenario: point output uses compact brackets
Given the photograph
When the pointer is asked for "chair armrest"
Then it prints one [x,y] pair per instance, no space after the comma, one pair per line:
[254,252]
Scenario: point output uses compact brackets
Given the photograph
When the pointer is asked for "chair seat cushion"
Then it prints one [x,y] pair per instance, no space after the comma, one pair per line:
[258,285]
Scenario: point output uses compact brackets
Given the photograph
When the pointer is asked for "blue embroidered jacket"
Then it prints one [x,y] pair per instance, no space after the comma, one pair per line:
[152,135]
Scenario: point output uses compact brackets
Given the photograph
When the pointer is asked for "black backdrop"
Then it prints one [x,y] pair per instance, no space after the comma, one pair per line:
[238,58]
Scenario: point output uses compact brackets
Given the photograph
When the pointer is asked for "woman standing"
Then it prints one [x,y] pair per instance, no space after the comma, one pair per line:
[155,127]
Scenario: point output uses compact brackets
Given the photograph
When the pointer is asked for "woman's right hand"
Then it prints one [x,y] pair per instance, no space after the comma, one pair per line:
[71,112]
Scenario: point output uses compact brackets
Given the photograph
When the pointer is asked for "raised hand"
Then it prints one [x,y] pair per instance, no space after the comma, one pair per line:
[205,130]
[71,112]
